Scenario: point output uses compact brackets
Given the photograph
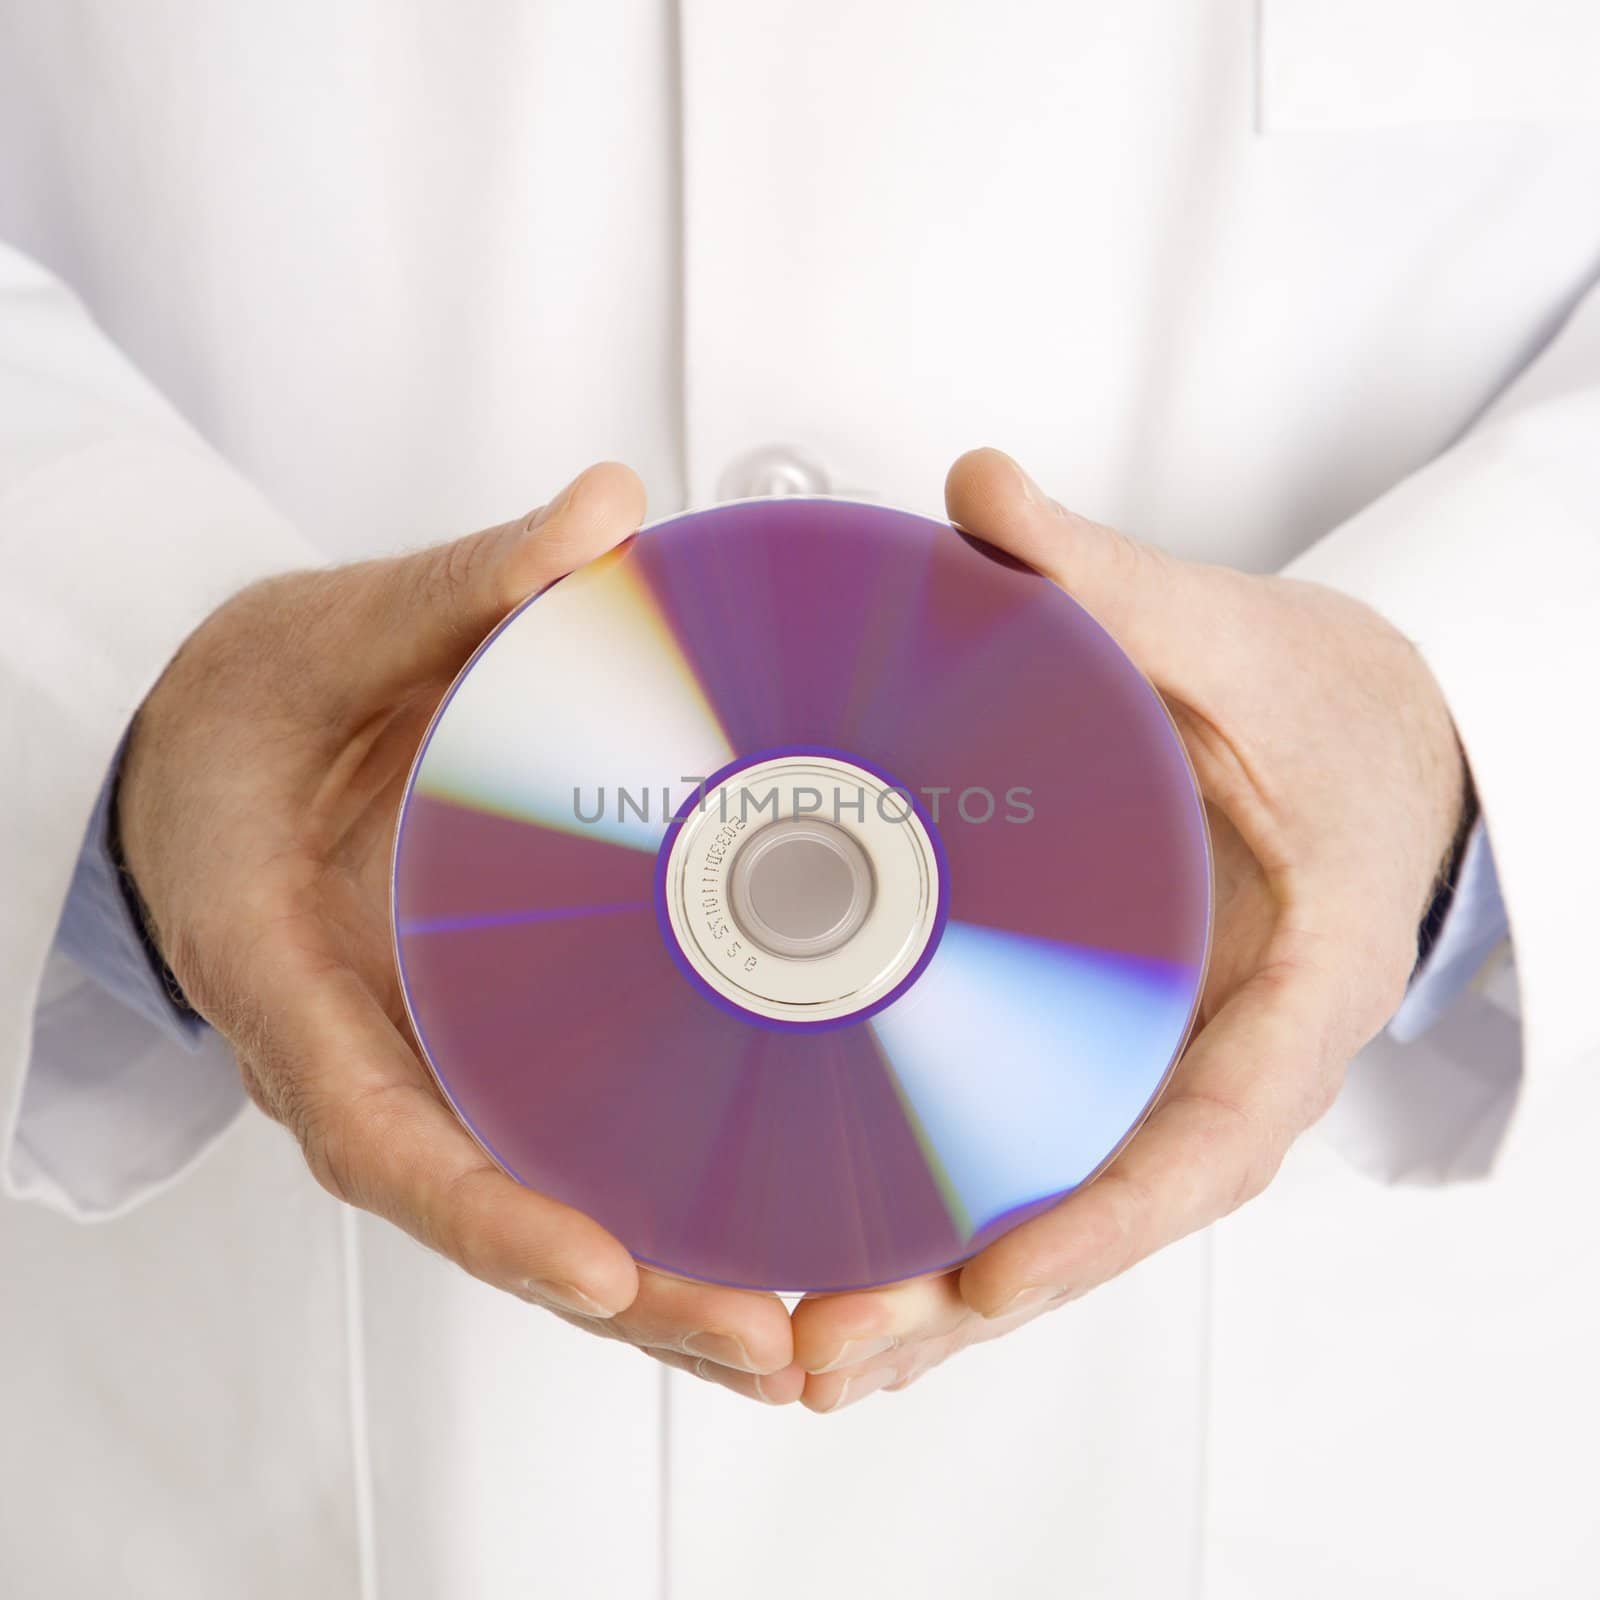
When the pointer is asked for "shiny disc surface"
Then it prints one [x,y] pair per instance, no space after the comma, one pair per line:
[942,996]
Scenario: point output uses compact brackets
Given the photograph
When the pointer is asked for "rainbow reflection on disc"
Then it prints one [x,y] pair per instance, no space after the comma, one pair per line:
[780,1043]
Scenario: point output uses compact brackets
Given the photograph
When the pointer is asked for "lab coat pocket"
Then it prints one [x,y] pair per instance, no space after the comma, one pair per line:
[1389,63]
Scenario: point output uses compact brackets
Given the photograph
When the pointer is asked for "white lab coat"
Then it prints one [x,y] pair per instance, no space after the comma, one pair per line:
[1230,276]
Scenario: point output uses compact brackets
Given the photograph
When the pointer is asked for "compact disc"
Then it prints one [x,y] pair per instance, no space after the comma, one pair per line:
[805,891]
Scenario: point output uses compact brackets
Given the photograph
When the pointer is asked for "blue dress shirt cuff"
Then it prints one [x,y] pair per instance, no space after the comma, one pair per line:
[101,932]
[1473,927]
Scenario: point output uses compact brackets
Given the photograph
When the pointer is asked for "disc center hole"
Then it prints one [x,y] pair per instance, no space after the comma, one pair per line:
[801,887]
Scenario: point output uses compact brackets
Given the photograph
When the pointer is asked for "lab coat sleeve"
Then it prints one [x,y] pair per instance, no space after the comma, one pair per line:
[1488,558]
[119,531]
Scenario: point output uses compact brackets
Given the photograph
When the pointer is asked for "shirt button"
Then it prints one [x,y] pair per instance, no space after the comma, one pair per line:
[772,469]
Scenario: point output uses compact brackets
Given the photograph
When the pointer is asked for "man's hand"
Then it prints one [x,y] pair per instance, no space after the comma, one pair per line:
[1334,786]
[257,808]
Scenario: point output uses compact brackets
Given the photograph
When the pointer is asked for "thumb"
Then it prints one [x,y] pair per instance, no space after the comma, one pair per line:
[1143,597]
[427,612]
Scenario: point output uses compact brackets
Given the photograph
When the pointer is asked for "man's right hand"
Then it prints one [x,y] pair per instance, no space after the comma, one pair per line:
[257,808]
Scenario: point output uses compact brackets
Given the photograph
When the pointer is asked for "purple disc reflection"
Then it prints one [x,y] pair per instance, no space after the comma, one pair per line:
[560,1022]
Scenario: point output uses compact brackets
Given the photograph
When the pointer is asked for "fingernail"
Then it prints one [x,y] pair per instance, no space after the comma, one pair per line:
[565,1296]
[556,502]
[1031,492]
[856,1351]
[762,1392]
[860,1386]
[726,1349]
[1040,1294]
[1035,496]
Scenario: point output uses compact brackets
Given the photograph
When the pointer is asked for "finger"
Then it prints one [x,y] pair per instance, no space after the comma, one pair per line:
[377,1135]
[917,1360]
[733,1327]
[1260,1072]
[894,1369]
[773,1388]
[1144,598]
[950,1327]
[425,613]
[833,1391]
[719,1333]
[833,1332]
